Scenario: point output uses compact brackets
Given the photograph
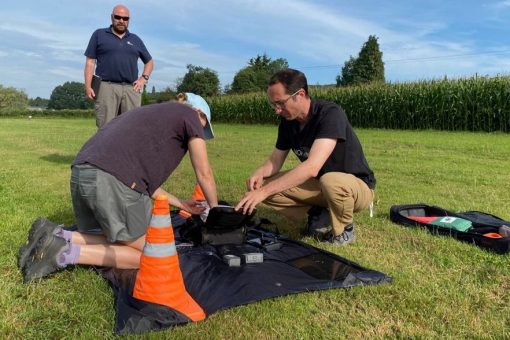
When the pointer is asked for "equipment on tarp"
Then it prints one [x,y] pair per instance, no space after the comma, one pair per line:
[487,231]
[266,265]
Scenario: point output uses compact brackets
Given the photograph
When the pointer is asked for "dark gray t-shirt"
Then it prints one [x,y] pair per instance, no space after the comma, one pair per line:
[327,120]
[142,147]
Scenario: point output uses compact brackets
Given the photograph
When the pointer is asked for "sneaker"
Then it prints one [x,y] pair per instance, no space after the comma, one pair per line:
[319,222]
[43,259]
[38,229]
[348,236]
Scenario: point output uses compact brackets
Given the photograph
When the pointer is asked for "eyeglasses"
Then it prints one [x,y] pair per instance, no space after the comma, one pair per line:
[118,17]
[280,104]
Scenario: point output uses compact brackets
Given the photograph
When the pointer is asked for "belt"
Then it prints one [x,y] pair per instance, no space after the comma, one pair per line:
[117,82]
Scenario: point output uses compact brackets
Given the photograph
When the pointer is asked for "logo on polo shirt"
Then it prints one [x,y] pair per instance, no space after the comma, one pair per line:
[129,43]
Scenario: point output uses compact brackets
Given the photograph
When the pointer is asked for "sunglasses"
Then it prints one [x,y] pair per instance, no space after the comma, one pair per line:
[118,17]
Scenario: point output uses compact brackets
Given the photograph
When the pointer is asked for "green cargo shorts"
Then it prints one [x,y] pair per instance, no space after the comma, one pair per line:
[101,200]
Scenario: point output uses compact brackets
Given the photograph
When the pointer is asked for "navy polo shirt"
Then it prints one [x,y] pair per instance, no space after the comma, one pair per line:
[116,58]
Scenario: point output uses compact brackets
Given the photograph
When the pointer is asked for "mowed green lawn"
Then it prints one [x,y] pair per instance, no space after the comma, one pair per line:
[441,287]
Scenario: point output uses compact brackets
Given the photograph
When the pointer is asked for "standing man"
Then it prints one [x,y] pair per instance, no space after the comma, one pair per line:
[113,178]
[113,52]
[333,177]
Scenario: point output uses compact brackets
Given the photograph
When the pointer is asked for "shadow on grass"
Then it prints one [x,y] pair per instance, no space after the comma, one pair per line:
[279,223]
[60,159]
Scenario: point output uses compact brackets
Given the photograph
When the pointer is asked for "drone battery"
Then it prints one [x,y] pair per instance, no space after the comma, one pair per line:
[232,260]
[253,258]
[272,246]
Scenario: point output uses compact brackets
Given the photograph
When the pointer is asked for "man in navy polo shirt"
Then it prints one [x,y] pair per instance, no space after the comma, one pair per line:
[113,52]
[333,179]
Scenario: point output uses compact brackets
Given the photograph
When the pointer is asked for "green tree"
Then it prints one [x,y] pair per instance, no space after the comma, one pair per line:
[165,95]
[70,95]
[145,96]
[255,76]
[158,97]
[347,73]
[367,67]
[38,102]
[12,99]
[200,80]
[247,80]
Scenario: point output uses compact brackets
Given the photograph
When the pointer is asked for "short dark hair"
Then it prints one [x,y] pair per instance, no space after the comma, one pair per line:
[292,80]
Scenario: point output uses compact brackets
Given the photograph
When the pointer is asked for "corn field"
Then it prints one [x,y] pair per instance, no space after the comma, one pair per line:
[472,104]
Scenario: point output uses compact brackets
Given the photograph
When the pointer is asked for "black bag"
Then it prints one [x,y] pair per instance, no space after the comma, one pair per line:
[218,237]
[96,84]
[224,225]
[484,226]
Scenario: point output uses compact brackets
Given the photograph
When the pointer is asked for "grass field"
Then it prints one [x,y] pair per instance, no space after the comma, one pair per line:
[442,288]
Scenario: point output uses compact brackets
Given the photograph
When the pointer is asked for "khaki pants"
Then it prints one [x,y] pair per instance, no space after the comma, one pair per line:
[343,194]
[114,99]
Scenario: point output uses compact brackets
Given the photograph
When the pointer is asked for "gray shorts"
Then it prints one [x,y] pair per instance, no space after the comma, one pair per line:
[101,200]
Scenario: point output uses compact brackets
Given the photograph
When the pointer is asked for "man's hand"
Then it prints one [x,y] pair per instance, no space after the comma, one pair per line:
[255,181]
[250,200]
[193,207]
[90,93]
[90,65]
[139,84]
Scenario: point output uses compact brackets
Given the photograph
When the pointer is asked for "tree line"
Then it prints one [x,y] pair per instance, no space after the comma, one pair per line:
[367,67]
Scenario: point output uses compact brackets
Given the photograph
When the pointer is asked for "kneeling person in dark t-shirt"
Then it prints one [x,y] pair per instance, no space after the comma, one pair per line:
[333,179]
[115,175]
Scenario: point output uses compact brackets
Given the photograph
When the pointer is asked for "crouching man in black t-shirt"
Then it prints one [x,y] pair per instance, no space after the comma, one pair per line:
[333,179]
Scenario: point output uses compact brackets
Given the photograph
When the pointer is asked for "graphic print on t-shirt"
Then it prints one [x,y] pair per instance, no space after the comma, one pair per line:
[302,153]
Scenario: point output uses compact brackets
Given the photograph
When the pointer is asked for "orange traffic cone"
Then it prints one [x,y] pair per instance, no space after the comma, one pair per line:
[159,279]
[198,195]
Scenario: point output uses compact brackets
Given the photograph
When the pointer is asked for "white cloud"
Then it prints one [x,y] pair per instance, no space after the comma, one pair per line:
[67,73]
[54,36]
[502,4]
[171,61]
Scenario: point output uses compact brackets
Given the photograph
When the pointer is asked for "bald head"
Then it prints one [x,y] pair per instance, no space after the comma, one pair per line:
[120,19]
[120,9]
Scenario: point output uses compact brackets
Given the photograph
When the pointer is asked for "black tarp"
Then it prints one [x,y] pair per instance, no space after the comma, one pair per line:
[293,268]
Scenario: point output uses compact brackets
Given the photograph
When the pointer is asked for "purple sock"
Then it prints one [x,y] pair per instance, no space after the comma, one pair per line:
[70,256]
[65,234]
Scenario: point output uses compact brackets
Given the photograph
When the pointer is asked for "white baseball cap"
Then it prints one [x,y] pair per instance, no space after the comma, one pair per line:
[199,103]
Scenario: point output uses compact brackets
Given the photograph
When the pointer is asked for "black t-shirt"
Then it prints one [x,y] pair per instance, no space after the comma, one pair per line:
[142,147]
[327,120]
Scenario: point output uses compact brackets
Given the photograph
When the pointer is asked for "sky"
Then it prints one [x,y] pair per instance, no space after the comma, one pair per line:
[42,42]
